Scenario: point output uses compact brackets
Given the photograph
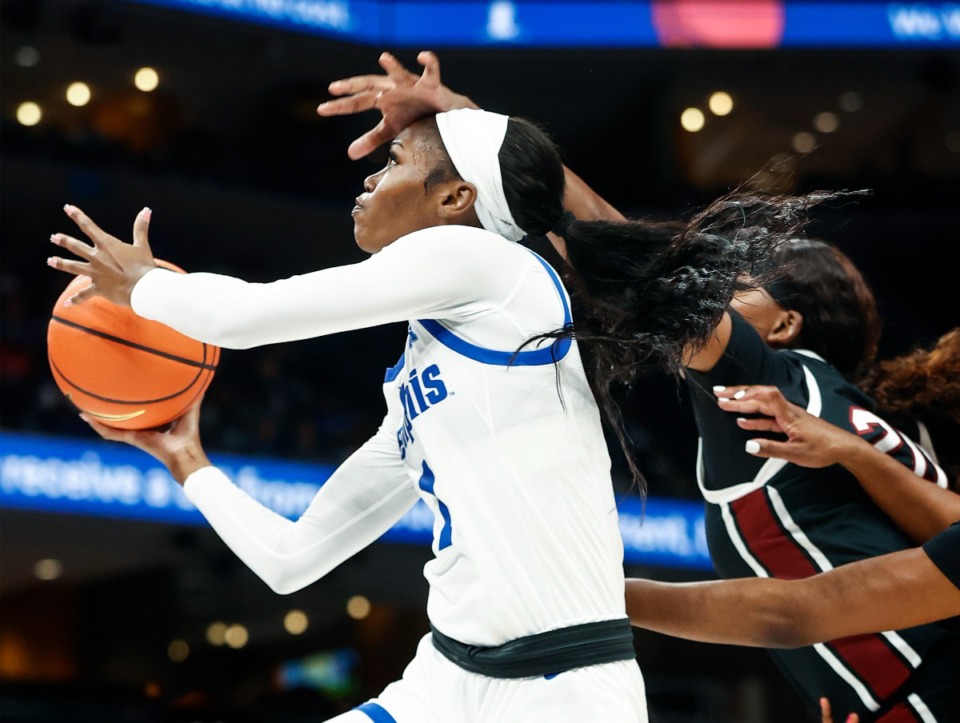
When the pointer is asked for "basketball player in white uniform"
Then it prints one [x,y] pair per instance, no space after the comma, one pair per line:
[526,600]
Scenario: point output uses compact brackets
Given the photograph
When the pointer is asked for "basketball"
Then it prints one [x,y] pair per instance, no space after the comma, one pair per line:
[120,369]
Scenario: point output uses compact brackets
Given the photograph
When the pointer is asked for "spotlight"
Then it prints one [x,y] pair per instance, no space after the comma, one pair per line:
[720,103]
[48,569]
[178,650]
[27,56]
[804,142]
[29,113]
[692,120]
[146,79]
[826,122]
[78,94]
[358,607]
[217,633]
[236,636]
[851,102]
[295,622]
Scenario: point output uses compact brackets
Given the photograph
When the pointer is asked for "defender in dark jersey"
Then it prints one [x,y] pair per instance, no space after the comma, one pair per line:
[769,518]
[900,590]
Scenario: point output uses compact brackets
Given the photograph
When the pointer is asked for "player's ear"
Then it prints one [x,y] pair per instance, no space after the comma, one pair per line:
[786,328]
[456,199]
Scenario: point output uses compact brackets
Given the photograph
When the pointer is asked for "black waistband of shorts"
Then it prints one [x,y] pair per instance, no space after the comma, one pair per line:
[554,651]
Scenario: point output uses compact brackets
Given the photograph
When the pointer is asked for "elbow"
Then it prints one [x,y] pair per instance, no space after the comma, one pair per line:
[283,585]
[786,622]
[286,576]
[781,631]
[282,576]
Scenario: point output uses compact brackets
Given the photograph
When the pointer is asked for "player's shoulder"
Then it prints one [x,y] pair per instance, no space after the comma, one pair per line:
[459,245]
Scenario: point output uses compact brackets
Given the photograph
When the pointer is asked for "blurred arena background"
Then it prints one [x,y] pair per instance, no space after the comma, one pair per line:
[117,603]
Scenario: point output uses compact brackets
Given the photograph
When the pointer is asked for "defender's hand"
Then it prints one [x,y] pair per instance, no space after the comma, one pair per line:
[811,441]
[401,96]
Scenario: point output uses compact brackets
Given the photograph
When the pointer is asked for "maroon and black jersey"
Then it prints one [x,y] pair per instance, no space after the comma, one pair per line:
[770,518]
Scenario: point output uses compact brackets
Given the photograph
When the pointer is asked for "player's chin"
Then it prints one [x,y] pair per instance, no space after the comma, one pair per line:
[368,239]
[364,241]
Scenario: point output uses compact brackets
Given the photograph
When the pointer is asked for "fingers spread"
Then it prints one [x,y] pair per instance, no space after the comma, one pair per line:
[394,68]
[759,425]
[141,225]
[431,67]
[82,295]
[745,406]
[728,392]
[77,268]
[83,221]
[771,448]
[357,103]
[369,141]
[74,246]
[360,84]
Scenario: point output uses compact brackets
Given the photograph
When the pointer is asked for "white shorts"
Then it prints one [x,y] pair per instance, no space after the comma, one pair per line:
[434,690]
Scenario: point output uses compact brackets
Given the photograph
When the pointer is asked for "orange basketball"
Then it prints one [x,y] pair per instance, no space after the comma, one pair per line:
[123,370]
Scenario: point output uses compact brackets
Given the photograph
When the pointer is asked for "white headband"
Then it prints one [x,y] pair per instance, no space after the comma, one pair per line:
[473,139]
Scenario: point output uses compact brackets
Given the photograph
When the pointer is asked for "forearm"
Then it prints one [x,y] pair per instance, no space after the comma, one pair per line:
[398,283]
[890,592]
[584,203]
[919,507]
[343,519]
[750,612]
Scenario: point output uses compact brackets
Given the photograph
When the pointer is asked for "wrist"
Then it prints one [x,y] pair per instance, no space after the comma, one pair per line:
[853,452]
[465,102]
[131,283]
[184,462]
[455,101]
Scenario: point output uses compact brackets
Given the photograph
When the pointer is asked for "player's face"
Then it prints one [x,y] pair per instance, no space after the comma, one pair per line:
[395,200]
[759,309]
[777,326]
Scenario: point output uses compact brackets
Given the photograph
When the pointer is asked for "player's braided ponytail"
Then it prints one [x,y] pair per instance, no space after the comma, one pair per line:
[652,292]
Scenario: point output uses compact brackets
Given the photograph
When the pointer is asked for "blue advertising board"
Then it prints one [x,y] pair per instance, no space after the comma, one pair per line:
[112,480]
[602,23]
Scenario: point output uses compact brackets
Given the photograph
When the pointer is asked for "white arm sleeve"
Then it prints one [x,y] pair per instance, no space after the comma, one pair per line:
[433,273]
[366,495]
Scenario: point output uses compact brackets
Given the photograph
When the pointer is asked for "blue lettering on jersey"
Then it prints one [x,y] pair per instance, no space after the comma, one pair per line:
[445,535]
[419,393]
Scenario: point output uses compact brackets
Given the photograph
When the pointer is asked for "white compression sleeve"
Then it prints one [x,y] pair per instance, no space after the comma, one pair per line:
[367,494]
[434,273]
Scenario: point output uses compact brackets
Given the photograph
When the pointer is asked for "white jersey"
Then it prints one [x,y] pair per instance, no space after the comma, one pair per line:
[507,451]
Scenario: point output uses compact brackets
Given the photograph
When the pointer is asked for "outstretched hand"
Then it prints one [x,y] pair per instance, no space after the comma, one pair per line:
[811,441]
[113,266]
[177,446]
[401,96]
